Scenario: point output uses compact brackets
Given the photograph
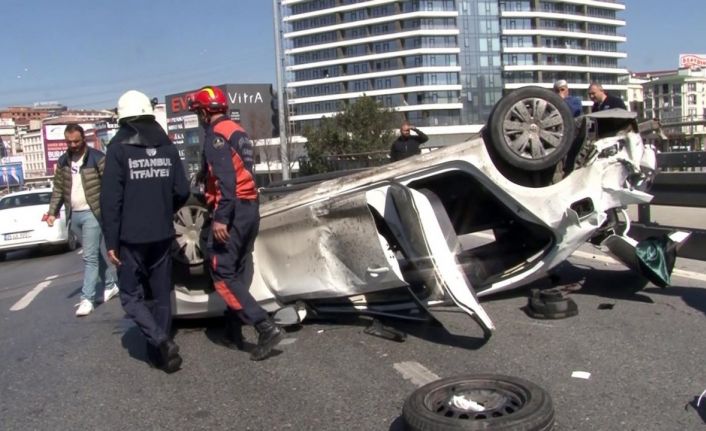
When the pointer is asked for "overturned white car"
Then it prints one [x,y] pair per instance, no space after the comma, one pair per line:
[442,228]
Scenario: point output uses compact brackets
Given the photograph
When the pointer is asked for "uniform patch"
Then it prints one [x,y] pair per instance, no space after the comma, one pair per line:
[218,143]
[151,152]
[243,142]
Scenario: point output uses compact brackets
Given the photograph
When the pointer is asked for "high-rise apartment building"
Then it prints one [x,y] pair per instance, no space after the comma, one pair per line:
[443,63]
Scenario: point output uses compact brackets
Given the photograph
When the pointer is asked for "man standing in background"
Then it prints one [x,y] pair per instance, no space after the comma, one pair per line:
[407,145]
[77,184]
[602,100]
[561,87]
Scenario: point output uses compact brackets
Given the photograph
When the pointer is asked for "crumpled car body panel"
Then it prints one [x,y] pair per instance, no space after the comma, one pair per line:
[444,227]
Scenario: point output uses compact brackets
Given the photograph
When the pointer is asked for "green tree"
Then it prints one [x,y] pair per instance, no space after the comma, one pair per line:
[361,134]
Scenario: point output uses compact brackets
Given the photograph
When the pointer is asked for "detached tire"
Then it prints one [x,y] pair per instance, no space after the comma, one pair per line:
[479,402]
[531,129]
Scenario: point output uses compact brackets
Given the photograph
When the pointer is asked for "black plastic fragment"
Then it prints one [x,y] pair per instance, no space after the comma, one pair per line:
[377,329]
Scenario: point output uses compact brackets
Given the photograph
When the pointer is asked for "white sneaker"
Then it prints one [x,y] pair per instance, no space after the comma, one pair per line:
[110,293]
[85,307]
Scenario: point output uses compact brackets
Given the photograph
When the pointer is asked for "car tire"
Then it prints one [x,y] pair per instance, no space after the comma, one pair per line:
[188,223]
[2,256]
[72,242]
[525,142]
[509,403]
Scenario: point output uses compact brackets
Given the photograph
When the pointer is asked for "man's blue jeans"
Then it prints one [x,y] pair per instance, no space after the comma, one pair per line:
[98,268]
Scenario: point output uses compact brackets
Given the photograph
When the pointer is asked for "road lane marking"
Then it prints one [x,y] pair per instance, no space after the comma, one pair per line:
[52,277]
[29,297]
[287,341]
[415,372]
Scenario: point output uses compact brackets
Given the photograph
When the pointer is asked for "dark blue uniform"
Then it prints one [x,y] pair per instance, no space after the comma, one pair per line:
[231,194]
[144,184]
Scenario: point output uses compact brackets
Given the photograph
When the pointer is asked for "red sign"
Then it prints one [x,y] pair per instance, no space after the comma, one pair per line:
[692,60]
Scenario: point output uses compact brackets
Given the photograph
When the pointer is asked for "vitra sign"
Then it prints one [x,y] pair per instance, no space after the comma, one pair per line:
[249,104]
[178,103]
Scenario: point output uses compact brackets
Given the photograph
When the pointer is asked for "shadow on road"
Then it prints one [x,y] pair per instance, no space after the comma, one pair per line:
[222,332]
[695,297]
[134,342]
[434,332]
[584,280]
[35,253]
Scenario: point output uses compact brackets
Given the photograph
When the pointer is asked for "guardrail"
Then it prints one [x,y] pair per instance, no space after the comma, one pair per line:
[681,182]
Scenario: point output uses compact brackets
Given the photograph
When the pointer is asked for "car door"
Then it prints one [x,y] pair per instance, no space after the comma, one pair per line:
[429,245]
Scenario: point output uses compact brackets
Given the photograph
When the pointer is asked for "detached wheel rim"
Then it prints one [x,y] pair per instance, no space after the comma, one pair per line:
[473,403]
[188,222]
[533,128]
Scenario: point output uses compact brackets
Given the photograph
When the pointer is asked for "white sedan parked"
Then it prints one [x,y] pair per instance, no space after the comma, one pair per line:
[22,225]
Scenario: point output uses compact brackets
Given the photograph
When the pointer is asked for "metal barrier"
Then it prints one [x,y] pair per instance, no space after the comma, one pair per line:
[278,189]
[681,182]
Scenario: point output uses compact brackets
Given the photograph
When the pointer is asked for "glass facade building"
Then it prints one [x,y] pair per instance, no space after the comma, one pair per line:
[442,63]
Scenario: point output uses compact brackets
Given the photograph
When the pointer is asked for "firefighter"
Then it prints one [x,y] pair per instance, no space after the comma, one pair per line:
[232,198]
[144,184]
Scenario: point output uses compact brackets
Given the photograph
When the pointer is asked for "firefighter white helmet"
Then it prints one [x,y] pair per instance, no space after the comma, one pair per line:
[134,104]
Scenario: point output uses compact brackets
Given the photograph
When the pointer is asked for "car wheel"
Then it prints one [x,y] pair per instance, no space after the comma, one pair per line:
[188,222]
[72,241]
[479,402]
[2,256]
[531,129]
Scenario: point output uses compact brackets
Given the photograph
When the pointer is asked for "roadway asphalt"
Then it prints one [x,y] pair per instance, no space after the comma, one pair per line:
[643,347]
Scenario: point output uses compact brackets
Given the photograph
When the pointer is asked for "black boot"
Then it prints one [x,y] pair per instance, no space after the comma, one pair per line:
[170,359]
[269,334]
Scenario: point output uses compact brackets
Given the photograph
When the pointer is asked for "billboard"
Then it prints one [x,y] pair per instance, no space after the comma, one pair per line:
[692,60]
[251,105]
[11,175]
[104,132]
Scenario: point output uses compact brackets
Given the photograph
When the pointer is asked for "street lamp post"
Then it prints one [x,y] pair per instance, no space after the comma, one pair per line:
[281,94]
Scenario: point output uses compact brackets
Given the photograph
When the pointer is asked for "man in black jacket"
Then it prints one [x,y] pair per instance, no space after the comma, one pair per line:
[603,101]
[144,184]
[407,145]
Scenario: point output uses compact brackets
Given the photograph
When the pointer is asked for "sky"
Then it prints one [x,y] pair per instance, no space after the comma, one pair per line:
[86,53]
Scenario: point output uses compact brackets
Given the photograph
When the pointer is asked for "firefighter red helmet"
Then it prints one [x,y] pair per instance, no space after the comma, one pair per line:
[210,99]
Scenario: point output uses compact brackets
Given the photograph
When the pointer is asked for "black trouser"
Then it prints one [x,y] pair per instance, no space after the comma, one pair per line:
[145,277]
[232,263]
